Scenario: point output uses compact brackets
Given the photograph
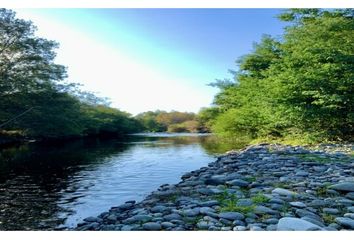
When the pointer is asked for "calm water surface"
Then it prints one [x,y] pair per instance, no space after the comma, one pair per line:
[56,185]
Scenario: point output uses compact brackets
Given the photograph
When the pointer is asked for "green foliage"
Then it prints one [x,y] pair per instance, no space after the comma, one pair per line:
[328,219]
[259,198]
[322,191]
[228,203]
[298,87]
[161,121]
[206,118]
[31,83]
[149,122]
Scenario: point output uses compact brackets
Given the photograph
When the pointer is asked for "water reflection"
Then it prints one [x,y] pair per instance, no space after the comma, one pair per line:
[33,178]
[43,186]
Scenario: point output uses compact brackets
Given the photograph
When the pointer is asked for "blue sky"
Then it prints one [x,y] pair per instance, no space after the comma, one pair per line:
[148,59]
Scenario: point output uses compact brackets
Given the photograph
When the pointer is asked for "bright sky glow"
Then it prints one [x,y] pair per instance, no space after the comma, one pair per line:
[148,59]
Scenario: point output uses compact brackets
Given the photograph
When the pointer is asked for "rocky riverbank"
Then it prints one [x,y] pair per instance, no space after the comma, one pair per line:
[263,187]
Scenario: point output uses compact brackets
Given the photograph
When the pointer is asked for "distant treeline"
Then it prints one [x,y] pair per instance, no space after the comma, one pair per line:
[162,121]
[297,87]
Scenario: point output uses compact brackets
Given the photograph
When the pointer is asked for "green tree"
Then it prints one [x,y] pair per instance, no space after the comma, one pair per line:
[301,84]
[315,79]
[32,86]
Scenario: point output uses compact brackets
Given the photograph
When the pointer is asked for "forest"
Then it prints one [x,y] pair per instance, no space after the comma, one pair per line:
[297,87]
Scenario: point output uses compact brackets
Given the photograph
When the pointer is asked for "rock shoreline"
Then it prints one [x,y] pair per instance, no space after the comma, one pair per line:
[262,187]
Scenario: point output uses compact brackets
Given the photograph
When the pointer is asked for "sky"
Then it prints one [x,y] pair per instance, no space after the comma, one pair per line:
[149,59]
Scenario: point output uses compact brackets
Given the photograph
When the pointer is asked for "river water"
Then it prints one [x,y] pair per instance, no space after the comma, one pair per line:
[48,186]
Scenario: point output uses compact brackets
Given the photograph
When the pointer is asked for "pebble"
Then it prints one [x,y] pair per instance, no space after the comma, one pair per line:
[238,182]
[298,204]
[172,216]
[203,225]
[152,226]
[332,211]
[343,186]
[167,225]
[239,228]
[347,223]
[280,175]
[91,219]
[231,216]
[284,192]
[158,209]
[264,210]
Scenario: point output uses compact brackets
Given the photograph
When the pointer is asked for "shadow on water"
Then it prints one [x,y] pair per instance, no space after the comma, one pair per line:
[32,177]
[43,186]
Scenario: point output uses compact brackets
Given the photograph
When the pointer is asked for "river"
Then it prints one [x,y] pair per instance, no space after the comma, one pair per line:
[56,185]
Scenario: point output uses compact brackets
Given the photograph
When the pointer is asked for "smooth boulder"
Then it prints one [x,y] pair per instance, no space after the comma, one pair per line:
[296,224]
[343,186]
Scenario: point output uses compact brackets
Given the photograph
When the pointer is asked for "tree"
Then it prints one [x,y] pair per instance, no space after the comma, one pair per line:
[29,78]
[31,82]
[301,84]
[315,79]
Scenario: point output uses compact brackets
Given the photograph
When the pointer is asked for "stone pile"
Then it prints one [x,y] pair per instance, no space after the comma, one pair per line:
[263,187]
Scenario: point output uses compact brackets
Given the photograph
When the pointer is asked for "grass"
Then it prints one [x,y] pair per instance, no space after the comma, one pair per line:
[259,198]
[280,185]
[193,220]
[322,191]
[169,198]
[265,217]
[240,209]
[285,208]
[228,202]
[328,219]
[314,158]
[291,139]
[250,179]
